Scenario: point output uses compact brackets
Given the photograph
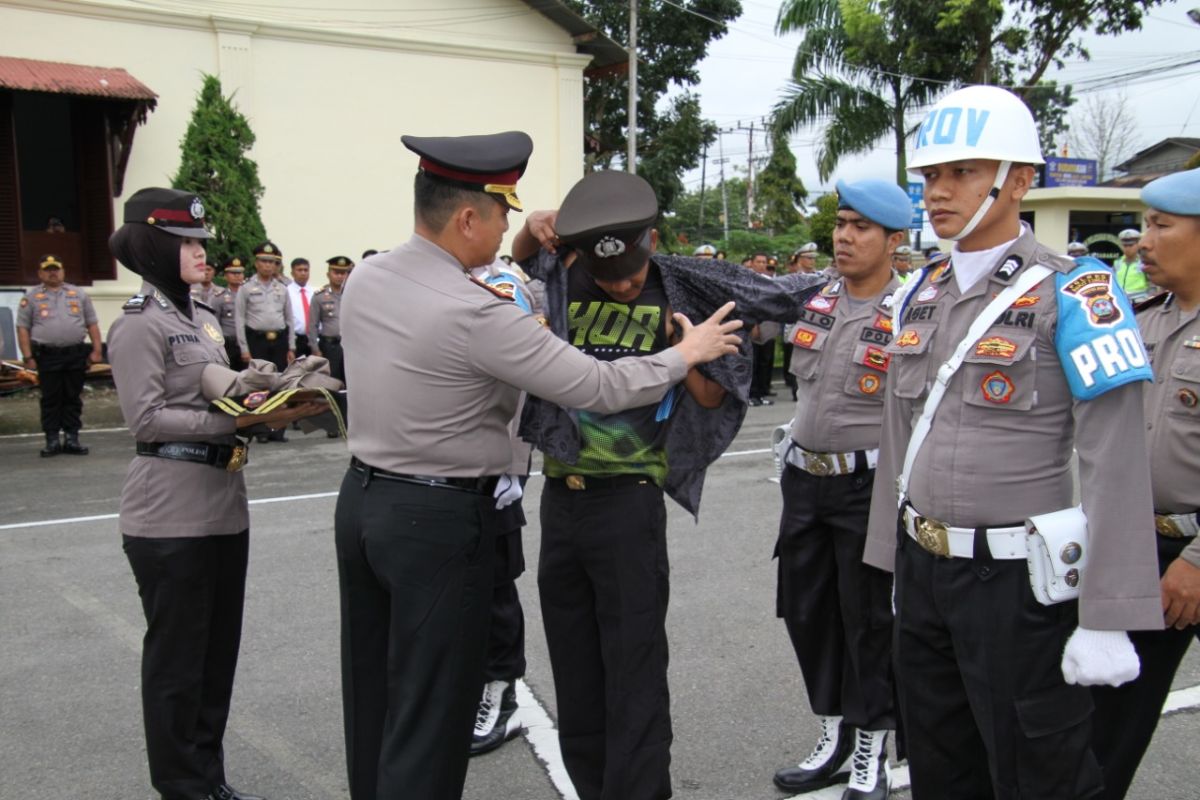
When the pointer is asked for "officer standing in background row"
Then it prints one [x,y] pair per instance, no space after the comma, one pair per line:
[225,307]
[1128,266]
[52,321]
[1126,716]
[902,262]
[837,609]
[988,678]
[415,516]
[205,290]
[324,317]
[300,296]
[264,314]
[806,258]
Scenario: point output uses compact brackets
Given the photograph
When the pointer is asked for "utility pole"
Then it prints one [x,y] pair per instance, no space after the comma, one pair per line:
[750,182]
[631,156]
[721,159]
[703,169]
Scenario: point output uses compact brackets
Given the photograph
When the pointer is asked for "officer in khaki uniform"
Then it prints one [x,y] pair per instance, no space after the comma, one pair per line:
[324,319]
[221,300]
[1126,716]
[264,312]
[988,679]
[52,320]
[837,609]
[415,515]
[225,308]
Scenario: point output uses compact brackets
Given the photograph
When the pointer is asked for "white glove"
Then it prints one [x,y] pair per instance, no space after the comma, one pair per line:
[1092,658]
[508,491]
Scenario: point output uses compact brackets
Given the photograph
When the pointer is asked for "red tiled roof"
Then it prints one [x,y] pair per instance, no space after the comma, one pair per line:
[24,74]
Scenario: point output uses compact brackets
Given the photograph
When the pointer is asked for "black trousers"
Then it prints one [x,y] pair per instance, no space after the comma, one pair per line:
[415,578]
[331,349]
[192,592]
[506,634]
[61,372]
[273,351]
[985,709]
[302,348]
[838,610]
[761,368]
[603,579]
[234,352]
[1127,716]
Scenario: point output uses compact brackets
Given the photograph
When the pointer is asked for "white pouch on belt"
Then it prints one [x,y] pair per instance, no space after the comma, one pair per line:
[1057,554]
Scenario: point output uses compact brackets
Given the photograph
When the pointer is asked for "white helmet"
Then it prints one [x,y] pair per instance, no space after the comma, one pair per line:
[978,122]
[1130,235]
[1076,249]
[705,250]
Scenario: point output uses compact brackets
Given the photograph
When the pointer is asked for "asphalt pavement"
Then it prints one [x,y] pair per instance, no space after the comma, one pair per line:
[71,626]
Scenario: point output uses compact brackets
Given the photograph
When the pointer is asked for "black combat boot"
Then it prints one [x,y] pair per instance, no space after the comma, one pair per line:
[71,444]
[496,720]
[829,762]
[53,446]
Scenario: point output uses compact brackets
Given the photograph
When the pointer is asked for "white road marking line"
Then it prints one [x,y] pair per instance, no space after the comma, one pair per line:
[83,433]
[543,738]
[1182,700]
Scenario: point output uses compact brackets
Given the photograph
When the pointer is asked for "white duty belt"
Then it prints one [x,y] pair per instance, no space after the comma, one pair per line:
[945,541]
[825,465]
[1177,526]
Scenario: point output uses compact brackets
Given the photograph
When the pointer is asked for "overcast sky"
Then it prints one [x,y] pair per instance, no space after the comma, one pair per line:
[743,76]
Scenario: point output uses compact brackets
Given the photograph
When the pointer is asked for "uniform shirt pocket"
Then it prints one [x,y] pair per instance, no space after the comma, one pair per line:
[999,371]
[909,359]
[867,377]
[193,354]
[1184,388]
[807,343]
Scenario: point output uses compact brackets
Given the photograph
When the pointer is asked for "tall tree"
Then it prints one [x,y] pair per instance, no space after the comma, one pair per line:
[673,38]
[779,189]
[216,167]
[1105,131]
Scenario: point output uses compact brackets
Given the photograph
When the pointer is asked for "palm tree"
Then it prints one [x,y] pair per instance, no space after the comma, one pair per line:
[852,70]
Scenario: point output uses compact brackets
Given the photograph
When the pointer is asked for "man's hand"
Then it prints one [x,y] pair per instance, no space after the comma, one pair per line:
[245,358]
[1096,658]
[1181,594]
[95,357]
[709,340]
[541,227]
[291,356]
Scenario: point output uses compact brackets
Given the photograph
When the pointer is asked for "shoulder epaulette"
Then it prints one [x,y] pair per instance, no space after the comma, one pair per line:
[204,305]
[492,289]
[1151,302]
[135,304]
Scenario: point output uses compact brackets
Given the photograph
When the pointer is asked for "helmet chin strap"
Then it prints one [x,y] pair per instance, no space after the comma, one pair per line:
[1001,176]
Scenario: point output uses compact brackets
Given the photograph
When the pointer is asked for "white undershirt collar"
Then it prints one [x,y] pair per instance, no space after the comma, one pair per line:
[969,267]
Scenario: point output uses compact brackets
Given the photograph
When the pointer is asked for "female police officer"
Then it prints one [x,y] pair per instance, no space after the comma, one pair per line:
[184,517]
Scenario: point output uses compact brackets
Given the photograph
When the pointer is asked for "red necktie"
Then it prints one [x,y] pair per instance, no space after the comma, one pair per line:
[304,302]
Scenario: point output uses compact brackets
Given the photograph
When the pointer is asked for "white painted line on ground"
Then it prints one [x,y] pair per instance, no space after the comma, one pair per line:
[1182,700]
[543,738]
[82,433]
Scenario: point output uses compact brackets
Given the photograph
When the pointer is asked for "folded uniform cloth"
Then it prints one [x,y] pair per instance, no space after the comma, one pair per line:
[260,389]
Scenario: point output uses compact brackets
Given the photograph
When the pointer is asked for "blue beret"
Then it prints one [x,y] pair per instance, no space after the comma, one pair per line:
[879,201]
[1178,193]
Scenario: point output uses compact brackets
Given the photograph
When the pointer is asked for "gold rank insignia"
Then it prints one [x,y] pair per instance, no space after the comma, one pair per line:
[213,333]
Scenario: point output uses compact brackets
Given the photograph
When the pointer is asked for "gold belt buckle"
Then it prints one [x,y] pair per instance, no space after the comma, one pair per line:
[272,336]
[576,483]
[1166,526]
[933,536]
[817,464]
[237,459]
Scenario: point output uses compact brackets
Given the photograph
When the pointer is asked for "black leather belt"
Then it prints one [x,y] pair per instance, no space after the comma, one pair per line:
[222,456]
[333,339]
[270,336]
[56,348]
[577,483]
[482,485]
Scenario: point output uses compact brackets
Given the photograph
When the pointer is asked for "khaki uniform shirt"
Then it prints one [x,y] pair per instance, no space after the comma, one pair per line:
[157,355]
[999,450]
[221,300]
[263,308]
[1172,405]
[438,361]
[324,317]
[839,360]
[56,317]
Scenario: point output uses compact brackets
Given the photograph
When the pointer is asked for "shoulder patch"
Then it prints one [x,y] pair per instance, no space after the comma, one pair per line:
[1097,338]
[135,304]
[498,292]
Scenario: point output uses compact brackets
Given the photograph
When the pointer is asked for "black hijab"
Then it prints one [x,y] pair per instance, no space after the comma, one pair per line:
[153,254]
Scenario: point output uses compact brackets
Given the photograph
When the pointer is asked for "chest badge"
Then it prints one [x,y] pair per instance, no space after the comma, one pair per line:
[804,338]
[1193,343]
[997,388]
[1093,292]
[213,333]
[927,294]
[908,338]
[1188,398]
[869,384]
[821,303]
[996,347]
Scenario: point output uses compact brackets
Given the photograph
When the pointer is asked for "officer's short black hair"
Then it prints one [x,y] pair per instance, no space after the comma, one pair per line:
[299,262]
[435,201]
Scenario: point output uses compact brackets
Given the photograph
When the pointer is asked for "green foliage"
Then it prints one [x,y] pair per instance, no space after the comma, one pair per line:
[1049,103]
[214,165]
[680,233]
[823,221]
[1193,162]
[672,42]
[779,191]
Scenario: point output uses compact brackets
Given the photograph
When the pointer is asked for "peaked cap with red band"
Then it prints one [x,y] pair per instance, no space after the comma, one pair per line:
[491,164]
[180,213]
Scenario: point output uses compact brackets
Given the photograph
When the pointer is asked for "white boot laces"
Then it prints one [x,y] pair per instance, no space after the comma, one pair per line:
[864,763]
[825,746]
[489,708]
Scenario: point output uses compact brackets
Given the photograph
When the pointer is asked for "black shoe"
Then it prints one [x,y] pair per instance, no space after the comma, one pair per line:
[72,446]
[755,401]
[495,721]
[829,762]
[278,436]
[53,446]
[261,438]
[763,401]
[227,792]
[332,435]
[868,768]
[793,394]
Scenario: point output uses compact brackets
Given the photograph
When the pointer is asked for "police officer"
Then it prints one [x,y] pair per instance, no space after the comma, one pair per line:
[324,319]
[705,251]
[1076,249]
[1128,266]
[264,314]
[806,257]
[415,515]
[837,609]
[902,262]
[988,677]
[1127,716]
[184,518]
[225,306]
[52,320]
[205,290]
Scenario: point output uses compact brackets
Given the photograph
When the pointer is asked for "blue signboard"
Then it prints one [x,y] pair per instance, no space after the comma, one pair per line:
[1070,172]
[916,193]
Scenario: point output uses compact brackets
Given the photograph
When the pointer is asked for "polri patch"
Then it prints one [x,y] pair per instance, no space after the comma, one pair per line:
[997,388]
[908,338]
[805,338]
[996,347]
[821,303]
